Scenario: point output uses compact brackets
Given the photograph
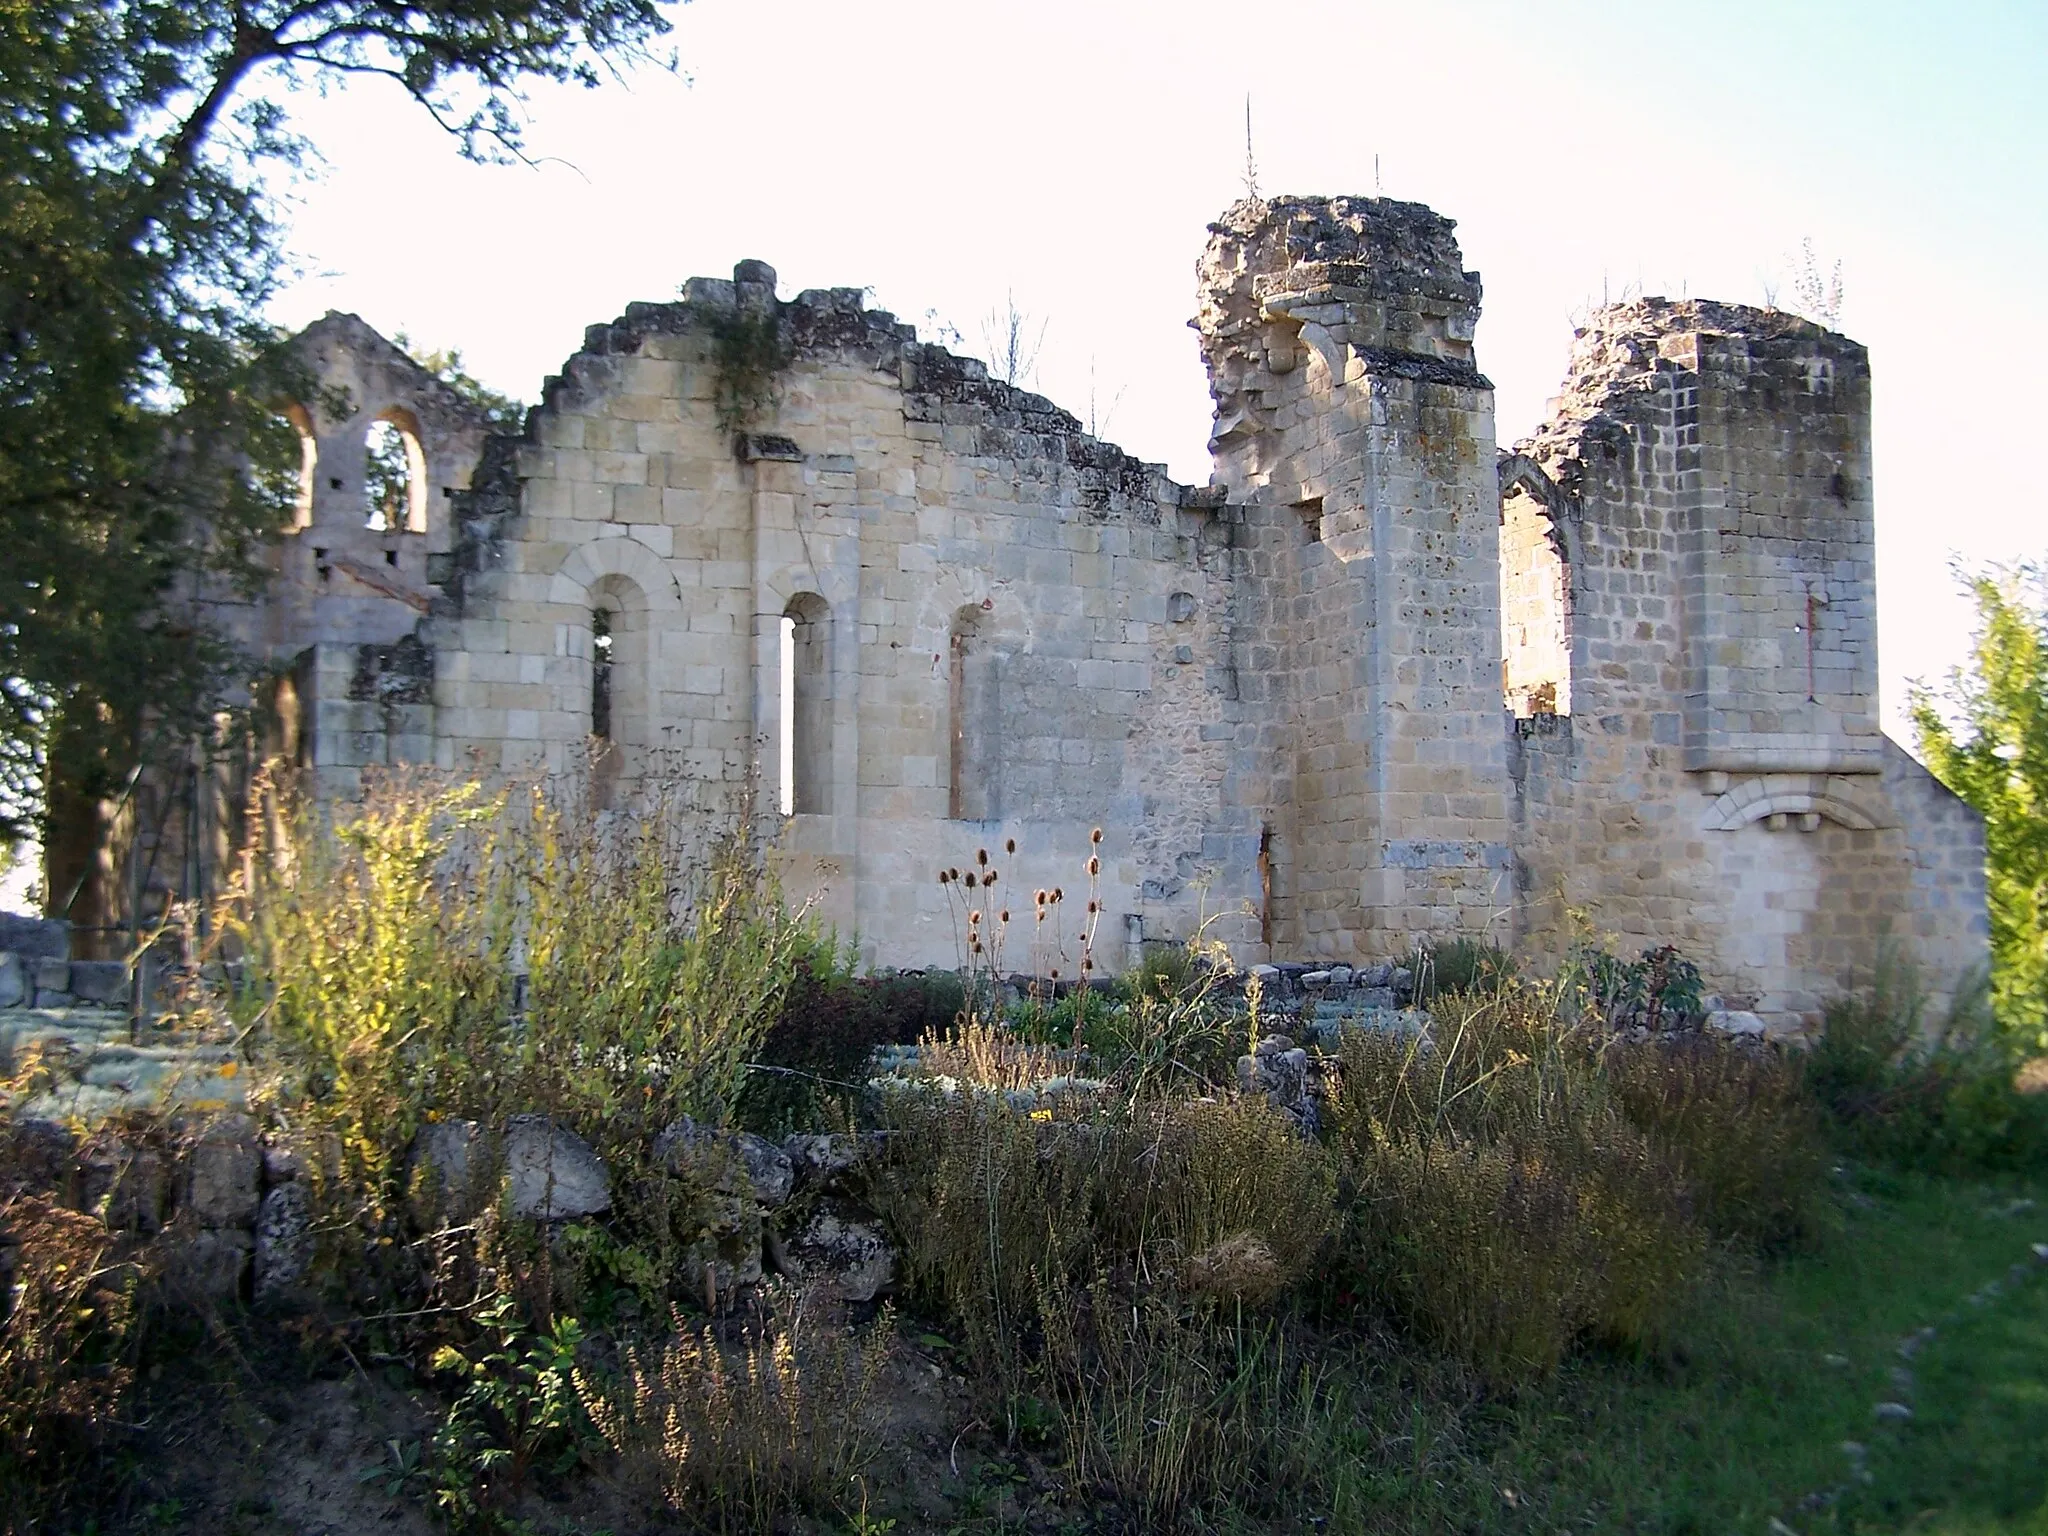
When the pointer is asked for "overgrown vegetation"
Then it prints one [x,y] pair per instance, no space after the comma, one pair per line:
[748,355]
[1126,1276]
[1985,736]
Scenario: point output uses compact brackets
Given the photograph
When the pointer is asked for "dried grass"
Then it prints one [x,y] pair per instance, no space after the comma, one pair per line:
[739,1436]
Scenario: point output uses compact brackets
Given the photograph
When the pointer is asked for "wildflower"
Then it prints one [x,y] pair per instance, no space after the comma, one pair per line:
[1094,865]
[230,1068]
[1041,1113]
[981,857]
[1010,845]
[1095,836]
[970,879]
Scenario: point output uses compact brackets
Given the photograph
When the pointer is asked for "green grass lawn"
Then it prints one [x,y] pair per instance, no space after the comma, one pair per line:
[1776,1371]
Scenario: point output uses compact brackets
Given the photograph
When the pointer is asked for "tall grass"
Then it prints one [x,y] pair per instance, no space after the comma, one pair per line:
[737,1436]
[440,951]
[1506,1206]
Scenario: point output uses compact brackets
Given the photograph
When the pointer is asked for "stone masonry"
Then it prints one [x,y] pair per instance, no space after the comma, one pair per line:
[1378,682]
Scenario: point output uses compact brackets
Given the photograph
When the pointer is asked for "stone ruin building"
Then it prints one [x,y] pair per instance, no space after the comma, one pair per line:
[1378,682]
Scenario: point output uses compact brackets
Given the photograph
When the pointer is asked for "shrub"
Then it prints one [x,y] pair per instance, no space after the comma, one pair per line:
[64,1350]
[992,1205]
[1460,965]
[1504,1206]
[515,1413]
[830,1023]
[1662,990]
[1173,1412]
[1735,1124]
[1895,1085]
[435,955]
[740,1436]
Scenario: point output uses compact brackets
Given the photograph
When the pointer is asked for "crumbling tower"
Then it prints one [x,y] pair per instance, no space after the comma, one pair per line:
[1355,437]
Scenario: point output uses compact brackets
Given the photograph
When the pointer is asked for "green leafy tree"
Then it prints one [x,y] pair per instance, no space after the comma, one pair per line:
[1985,736]
[141,459]
[504,413]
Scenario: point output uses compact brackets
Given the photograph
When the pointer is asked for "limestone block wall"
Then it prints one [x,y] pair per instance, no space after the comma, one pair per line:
[1718,782]
[1375,684]
[1353,425]
[1008,631]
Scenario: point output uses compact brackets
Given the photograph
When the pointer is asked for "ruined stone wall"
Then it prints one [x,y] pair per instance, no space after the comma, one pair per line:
[1719,783]
[1374,685]
[1351,421]
[1022,631]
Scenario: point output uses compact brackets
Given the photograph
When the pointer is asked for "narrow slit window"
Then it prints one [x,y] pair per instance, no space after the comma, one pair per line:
[601,674]
[806,713]
[786,717]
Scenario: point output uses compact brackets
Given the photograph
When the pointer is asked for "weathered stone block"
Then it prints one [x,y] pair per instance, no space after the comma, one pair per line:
[35,938]
[222,1178]
[208,1264]
[445,1176]
[551,1173]
[284,1240]
[845,1250]
[104,982]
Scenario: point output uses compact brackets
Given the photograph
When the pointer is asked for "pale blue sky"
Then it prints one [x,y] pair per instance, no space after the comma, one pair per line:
[1071,152]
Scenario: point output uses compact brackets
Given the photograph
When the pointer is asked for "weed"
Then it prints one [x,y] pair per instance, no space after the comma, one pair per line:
[1897,1085]
[1735,1124]
[516,1411]
[1459,965]
[64,1349]
[1505,1207]
[739,1436]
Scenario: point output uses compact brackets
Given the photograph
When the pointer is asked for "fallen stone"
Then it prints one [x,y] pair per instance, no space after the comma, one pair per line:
[223,1173]
[820,1161]
[685,1145]
[445,1174]
[14,981]
[1892,1413]
[551,1173]
[726,1254]
[846,1252]
[138,1188]
[52,975]
[1733,1021]
[284,1240]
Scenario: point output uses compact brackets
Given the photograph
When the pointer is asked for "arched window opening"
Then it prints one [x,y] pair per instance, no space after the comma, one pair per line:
[806,724]
[620,700]
[309,462]
[601,674]
[974,787]
[395,475]
[1535,593]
